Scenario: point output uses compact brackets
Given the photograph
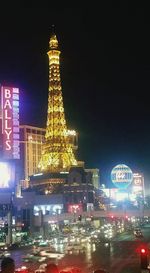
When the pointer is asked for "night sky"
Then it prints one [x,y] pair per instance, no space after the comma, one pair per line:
[105,74]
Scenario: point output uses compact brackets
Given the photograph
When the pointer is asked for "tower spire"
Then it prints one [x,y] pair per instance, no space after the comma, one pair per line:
[57,152]
[53,29]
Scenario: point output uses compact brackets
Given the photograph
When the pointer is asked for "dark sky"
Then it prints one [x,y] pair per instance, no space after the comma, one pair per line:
[105,73]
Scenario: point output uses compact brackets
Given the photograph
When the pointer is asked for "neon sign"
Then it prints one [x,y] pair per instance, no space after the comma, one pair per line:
[121,176]
[10,122]
[74,208]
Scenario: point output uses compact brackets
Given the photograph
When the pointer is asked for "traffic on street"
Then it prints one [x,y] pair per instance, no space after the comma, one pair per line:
[87,250]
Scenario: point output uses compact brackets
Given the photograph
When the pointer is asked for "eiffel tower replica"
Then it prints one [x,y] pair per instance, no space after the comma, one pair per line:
[58,153]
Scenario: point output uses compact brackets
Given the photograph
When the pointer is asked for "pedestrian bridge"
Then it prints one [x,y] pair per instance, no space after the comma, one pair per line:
[95,215]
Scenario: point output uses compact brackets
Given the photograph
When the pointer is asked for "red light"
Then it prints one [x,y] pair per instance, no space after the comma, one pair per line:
[143,250]
[126,216]
[112,216]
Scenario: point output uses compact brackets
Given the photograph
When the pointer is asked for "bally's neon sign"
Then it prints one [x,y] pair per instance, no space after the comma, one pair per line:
[10,122]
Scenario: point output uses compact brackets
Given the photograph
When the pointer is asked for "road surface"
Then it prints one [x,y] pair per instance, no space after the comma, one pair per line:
[119,256]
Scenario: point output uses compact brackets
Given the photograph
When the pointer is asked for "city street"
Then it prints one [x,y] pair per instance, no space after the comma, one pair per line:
[119,256]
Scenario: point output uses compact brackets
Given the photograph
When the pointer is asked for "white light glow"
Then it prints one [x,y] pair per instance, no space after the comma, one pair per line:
[121,196]
[4,175]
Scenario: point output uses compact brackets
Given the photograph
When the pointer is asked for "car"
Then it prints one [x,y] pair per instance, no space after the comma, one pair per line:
[51,254]
[3,247]
[22,269]
[136,230]
[14,246]
[4,254]
[41,268]
[75,246]
[138,233]
[71,269]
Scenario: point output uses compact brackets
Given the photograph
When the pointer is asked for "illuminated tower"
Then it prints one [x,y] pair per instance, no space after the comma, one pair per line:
[57,154]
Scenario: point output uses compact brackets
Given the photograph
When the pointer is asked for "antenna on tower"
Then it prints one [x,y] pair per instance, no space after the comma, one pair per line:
[53,29]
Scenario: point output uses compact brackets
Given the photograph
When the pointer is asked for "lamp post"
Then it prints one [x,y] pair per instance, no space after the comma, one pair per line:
[9,220]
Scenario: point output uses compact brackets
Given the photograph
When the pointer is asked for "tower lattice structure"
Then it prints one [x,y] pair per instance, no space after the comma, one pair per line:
[57,154]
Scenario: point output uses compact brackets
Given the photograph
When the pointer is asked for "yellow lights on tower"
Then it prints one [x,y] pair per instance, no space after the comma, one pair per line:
[71,132]
[57,154]
[53,43]
[55,58]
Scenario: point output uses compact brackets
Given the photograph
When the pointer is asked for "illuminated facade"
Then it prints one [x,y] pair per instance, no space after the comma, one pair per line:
[76,186]
[58,149]
[133,192]
[138,188]
[31,142]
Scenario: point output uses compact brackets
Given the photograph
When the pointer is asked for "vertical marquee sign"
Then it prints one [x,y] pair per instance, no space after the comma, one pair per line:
[10,122]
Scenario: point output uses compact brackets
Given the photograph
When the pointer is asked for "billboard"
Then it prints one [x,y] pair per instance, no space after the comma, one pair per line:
[121,176]
[75,208]
[138,180]
[10,122]
[138,184]
[7,175]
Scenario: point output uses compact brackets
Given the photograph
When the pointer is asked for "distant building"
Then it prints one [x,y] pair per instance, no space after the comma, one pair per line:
[135,192]
[31,142]
[95,177]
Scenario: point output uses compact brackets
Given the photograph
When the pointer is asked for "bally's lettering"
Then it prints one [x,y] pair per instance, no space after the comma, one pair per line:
[8,133]
[7,93]
[7,124]
[10,117]
[7,118]
[8,146]
[7,103]
[6,114]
